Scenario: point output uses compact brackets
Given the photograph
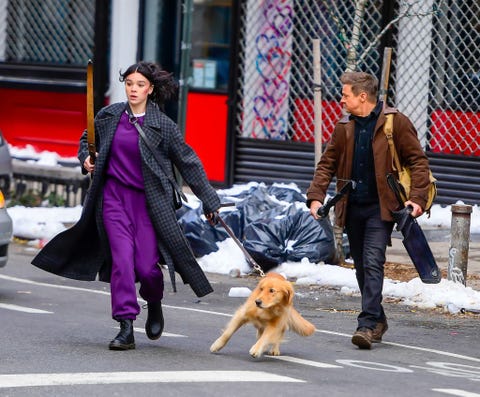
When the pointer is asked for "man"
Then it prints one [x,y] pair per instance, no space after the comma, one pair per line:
[358,151]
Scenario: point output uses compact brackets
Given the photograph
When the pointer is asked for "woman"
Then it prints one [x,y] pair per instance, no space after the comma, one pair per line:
[128,224]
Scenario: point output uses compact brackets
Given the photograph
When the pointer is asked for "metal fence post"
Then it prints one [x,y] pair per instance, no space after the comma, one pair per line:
[317,99]
[459,245]
[185,73]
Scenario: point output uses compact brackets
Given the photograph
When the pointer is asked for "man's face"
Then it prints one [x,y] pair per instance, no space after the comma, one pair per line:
[352,103]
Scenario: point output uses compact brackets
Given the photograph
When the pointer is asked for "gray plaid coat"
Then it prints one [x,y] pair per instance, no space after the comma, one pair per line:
[82,251]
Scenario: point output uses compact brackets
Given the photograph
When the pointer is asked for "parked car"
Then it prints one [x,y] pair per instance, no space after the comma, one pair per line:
[5,165]
[6,227]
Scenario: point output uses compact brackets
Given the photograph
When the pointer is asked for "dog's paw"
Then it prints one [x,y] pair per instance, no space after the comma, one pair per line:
[274,352]
[216,346]
[255,352]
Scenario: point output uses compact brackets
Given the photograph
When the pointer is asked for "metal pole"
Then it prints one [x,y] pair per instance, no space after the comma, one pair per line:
[185,74]
[459,245]
[317,99]
[185,70]
[317,111]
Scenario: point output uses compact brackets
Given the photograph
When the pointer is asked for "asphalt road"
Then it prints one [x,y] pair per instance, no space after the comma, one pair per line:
[54,335]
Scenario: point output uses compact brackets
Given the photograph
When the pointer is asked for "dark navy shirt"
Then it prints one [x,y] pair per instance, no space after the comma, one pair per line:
[363,168]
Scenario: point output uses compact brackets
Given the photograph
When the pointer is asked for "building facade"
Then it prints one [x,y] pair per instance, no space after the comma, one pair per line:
[250,107]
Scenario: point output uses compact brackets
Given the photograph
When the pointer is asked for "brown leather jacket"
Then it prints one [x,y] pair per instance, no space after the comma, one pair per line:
[336,161]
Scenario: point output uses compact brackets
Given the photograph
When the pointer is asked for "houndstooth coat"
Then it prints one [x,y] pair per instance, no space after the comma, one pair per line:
[82,251]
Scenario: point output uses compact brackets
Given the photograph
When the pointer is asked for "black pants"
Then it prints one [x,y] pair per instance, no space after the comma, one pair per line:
[368,237]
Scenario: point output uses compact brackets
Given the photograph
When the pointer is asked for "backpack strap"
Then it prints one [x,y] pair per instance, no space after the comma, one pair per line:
[388,130]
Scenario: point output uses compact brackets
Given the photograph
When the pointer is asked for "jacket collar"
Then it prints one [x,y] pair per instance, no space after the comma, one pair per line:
[373,114]
[152,113]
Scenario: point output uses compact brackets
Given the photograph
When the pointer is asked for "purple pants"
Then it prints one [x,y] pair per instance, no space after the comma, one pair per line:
[134,249]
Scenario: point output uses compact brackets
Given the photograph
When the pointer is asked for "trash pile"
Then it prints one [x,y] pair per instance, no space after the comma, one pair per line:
[272,222]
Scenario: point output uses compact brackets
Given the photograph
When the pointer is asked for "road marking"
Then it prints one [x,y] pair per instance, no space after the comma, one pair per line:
[375,366]
[304,362]
[104,378]
[23,309]
[440,352]
[168,334]
[424,349]
[66,287]
[457,392]
[94,291]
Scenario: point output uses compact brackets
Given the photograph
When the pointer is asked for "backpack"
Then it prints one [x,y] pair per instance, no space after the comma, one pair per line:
[404,177]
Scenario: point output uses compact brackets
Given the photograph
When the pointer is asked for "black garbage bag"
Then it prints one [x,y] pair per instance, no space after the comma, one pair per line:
[199,233]
[286,193]
[202,236]
[292,237]
[254,204]
[257,203]
[262,202]
[182,211]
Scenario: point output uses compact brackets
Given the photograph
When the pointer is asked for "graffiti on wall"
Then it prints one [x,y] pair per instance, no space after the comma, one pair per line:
[267,69]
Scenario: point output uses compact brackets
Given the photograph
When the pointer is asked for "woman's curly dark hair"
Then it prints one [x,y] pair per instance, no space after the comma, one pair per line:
[165,87]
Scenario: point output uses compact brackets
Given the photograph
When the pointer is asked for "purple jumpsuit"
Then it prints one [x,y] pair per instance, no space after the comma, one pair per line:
[131,235]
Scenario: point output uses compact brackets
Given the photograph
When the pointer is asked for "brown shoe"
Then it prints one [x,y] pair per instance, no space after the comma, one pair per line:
[378,332]
[363,338]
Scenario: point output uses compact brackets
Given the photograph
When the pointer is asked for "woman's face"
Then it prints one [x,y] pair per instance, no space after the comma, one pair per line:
[137,88]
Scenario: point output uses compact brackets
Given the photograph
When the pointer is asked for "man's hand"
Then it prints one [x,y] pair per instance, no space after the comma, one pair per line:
[416,211]
[314,206]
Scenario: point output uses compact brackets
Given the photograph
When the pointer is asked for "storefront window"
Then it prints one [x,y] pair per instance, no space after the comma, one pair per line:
[211,32]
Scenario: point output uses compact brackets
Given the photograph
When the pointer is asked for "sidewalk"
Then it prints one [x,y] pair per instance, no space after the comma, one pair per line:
[439,241]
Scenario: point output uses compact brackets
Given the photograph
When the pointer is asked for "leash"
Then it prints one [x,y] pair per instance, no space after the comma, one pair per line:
[248,257]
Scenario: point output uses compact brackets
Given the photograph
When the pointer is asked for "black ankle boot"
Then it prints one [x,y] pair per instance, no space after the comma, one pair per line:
[154,324]
[125,339]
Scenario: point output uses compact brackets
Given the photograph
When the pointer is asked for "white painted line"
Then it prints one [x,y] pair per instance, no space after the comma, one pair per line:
[374,366]
[23,309]
[424,349]
[439,352]
[104,378]
[66,287]
[107,293]
[456,392]
[170,335]
[323,331]
[167,334]
[199,311]
[304,362]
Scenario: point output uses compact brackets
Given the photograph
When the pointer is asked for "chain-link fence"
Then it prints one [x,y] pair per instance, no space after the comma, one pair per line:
[53,32]
[435,70]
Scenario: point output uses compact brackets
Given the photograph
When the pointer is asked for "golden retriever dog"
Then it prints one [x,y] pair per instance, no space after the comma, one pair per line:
[270,309]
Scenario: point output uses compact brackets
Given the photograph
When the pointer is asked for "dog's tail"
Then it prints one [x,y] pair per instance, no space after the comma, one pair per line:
[298,324]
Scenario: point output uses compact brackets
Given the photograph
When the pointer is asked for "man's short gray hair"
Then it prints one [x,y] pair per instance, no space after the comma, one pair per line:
[361,82]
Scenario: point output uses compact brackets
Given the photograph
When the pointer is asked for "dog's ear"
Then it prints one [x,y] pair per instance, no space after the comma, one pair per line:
[288,292]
